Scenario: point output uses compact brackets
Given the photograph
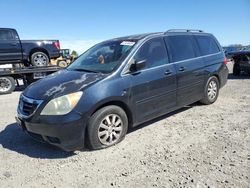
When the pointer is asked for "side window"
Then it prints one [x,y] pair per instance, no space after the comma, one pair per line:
[207,45]
[181,47]
[6,35]
[154,52]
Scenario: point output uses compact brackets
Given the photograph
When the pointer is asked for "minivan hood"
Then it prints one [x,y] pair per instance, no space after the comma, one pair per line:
[60,83]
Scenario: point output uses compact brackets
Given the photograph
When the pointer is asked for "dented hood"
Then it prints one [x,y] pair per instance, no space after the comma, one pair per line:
[61,83]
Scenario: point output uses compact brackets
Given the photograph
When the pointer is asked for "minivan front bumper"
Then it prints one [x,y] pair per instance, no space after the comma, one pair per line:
[68,136]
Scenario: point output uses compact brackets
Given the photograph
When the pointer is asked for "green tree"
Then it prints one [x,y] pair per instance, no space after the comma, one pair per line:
[74,53]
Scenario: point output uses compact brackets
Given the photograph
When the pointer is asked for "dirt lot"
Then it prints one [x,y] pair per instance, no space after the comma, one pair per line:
[197,146]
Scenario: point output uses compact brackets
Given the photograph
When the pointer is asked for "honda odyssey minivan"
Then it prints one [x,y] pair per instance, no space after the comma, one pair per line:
[121,83]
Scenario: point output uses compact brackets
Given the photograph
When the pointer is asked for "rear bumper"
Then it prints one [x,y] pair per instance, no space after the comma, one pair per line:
[68,136]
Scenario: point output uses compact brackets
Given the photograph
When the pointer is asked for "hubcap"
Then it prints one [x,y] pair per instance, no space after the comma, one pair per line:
[212,90]
[110,129]
[40,60]
[5,84]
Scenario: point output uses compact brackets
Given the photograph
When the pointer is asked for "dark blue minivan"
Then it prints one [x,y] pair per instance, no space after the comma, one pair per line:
[121,83]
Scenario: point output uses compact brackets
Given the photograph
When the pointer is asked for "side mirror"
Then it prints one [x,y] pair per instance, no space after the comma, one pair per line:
[137,65]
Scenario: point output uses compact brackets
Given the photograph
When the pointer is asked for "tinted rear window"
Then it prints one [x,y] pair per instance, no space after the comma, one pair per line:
[181,47]
[207,45]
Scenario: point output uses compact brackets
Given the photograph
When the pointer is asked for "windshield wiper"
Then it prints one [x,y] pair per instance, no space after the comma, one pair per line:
[84,70]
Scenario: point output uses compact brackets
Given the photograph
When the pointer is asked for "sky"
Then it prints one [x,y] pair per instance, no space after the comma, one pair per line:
[79,24]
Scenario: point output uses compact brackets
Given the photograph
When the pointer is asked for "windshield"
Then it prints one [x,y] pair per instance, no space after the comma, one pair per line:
[104,57]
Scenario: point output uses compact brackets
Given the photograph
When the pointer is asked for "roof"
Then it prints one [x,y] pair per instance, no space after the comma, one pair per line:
[137,36]
[144,35]
[7,28]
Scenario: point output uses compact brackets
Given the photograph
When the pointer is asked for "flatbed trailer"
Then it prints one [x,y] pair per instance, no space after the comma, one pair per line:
[9,77]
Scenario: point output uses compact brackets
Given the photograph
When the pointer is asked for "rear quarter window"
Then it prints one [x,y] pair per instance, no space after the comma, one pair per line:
[207,45]
[181,47]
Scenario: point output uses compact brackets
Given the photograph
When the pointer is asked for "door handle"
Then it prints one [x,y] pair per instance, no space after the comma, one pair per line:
[168,72]
[181,69]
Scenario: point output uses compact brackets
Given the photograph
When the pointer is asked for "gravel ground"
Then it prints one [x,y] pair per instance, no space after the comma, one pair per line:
[196,146]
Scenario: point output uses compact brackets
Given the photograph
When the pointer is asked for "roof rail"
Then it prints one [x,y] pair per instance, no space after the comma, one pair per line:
[184,30]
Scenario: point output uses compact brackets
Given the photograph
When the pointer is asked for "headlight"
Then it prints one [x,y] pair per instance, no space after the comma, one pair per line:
[62,105]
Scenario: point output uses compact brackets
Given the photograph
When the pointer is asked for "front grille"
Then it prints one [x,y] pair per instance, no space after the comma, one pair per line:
[28,106]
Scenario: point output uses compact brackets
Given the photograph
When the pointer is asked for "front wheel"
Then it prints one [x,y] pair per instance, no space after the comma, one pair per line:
[107,127]
[211,91]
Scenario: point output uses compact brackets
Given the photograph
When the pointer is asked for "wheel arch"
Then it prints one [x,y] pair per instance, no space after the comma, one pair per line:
[218,78]
[120,104]
[34,50]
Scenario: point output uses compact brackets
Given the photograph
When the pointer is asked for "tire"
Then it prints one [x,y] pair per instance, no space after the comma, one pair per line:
[211,91]
[7,85]
[62,63]
[101,132]
[236,69]
[39,59]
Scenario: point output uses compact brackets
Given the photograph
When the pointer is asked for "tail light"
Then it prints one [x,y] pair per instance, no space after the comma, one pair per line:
[57,44]
[225,61]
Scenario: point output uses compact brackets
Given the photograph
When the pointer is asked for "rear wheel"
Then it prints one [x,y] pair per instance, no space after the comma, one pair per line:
[211,91]
[7,85]
[107,127]
[39,59]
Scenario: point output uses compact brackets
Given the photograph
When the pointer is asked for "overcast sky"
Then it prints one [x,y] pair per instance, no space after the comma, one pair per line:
[80,24]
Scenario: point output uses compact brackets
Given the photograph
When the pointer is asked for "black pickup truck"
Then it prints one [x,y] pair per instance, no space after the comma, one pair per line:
[28,52]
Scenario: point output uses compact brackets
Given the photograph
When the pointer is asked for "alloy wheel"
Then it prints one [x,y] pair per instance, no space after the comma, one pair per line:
[110,129]
[212,90]
[40,60]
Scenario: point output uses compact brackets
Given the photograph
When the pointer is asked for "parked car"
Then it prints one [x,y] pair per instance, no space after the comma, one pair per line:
[241,61]
[121,83]
[229,49]
[28,52]
[246,48]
